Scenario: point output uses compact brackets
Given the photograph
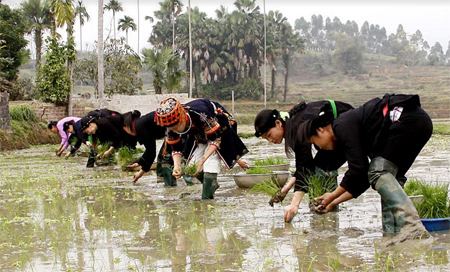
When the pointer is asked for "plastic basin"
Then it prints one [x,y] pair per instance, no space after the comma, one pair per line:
[436,224]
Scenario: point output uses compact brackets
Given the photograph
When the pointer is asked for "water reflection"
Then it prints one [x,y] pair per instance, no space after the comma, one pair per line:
[57,216]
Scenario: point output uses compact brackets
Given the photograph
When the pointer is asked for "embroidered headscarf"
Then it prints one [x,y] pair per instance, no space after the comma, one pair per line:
[169,112]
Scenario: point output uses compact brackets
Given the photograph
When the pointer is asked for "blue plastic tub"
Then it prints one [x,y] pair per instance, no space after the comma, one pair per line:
[436,224]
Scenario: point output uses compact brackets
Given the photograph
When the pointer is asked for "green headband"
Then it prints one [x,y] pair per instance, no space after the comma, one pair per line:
[333,106]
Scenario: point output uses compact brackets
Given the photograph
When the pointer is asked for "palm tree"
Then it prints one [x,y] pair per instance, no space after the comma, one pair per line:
[115,6]
[81,11]
[150,18]
[164,65]
[276,22]
[38,12]
[156,61]
[126,23]
[173,7]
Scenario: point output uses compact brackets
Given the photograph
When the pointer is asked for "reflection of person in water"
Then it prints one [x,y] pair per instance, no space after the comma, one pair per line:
[276,126]
[391,132]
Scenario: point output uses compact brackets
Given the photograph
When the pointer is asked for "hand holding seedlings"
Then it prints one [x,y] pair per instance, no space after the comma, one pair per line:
[281,193]
[176,171]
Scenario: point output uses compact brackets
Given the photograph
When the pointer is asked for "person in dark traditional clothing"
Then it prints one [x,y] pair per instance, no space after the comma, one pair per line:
[73,128]
[106,130]
[391,132]
[98,113]
[209,137]
[147,132]
[274,126]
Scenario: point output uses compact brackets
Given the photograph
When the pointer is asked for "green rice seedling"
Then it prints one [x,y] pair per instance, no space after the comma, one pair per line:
[434,203]
[413,187]
[318,185]
[269,187]
[258,170]
[271,161]
[125,157]
[102,149]
[188,169]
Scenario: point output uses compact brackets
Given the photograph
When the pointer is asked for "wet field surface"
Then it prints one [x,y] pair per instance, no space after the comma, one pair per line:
[57,215]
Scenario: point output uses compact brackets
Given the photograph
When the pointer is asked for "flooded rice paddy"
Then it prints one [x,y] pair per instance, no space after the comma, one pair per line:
[57,215]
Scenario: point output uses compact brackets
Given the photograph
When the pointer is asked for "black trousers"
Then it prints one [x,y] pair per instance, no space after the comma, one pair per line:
[406,138]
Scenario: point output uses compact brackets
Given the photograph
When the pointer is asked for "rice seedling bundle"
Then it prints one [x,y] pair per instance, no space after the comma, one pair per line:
[434,203]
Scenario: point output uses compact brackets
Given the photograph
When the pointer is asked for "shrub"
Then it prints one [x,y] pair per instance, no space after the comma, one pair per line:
[22,113]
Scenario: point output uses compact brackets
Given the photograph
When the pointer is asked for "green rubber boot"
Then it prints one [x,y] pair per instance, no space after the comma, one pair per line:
[166,173]
[399,213]
[387,218]
[210,185]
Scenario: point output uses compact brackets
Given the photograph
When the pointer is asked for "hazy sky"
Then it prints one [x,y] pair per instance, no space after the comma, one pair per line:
[431,17]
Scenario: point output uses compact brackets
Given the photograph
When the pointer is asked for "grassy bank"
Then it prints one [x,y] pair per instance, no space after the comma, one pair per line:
[26,130]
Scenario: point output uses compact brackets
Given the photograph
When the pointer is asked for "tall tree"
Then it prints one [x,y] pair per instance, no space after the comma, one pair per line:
[114,6]
[81,12]
[276,23]
[64,14]
[12,41]
[173,7]
[38,13]
[292,43]
[100,61]
[127,23]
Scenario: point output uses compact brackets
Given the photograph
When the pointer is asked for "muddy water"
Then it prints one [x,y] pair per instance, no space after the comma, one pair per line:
[56,215]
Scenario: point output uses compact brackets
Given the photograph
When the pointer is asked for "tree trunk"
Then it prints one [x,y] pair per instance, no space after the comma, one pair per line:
[38,42]
[114,23]
[81,38]
[286,76]
[70,48]
[272,88]
[101,79]
[173,32]
[158,89]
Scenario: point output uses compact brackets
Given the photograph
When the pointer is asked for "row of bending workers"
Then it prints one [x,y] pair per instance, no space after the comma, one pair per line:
[196,131]
[379,140]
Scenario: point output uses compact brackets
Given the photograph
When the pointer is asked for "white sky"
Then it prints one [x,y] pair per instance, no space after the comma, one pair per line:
[431,17]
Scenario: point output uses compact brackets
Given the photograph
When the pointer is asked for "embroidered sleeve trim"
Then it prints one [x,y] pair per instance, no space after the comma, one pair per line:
[172,141]
[216,144]
[176,153]
[213,129]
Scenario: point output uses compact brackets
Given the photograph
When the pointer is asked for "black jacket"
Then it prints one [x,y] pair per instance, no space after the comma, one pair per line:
[110,129]
[147,132]
[81,137]
[327,160]
[363,132]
